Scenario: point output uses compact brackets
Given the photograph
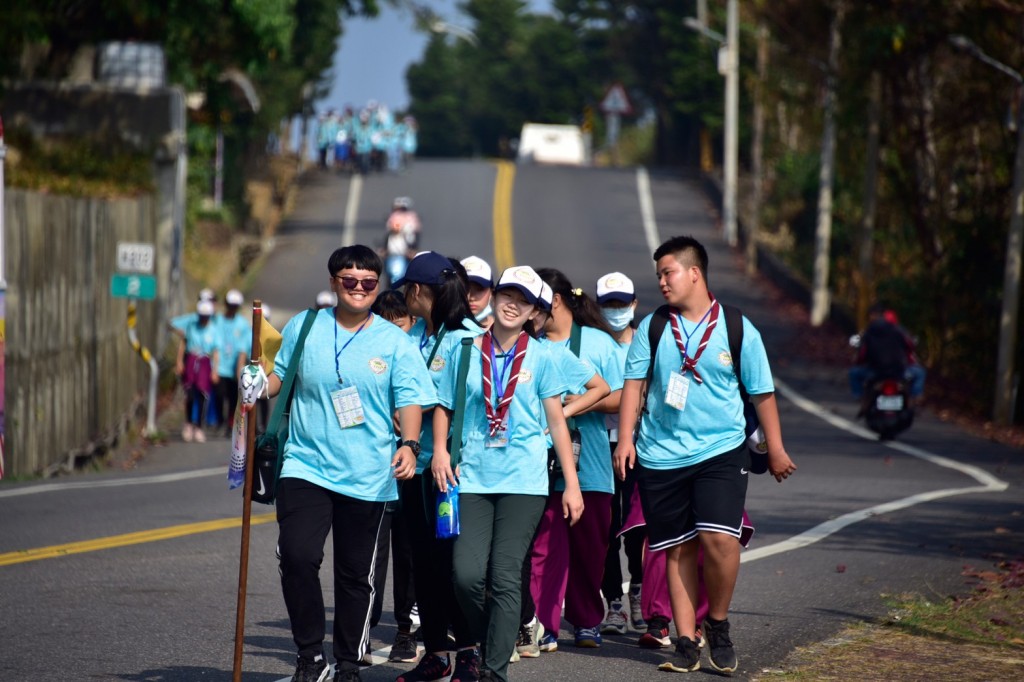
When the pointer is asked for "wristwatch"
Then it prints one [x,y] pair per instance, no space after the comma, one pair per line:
[414,445]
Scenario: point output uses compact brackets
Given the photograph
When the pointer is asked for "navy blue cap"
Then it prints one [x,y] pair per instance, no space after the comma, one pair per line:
[425,268]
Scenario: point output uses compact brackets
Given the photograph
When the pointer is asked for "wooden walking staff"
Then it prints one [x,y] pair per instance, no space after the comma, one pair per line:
[250,448]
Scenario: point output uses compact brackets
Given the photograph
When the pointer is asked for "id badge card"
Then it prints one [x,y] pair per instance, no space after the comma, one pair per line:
[348,407]
[678,387]
[500,438]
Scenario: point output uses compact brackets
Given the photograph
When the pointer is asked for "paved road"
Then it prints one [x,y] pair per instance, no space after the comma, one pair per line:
[153,598]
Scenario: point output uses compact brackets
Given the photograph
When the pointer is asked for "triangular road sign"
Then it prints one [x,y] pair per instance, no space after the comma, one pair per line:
[616,101]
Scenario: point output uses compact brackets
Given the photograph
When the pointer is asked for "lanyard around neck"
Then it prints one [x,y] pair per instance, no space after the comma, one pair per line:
[337,353]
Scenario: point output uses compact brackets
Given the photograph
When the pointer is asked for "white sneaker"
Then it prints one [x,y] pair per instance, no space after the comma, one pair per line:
[187,432]
[636,614]
[199,435]
[615,622]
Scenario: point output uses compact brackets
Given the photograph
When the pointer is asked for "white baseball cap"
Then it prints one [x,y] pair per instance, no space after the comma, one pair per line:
[326,299]
[478,271]
[547,296]
[525,279]
[207,294]
[234,297]
[615,286]
[266,312]
[205,308]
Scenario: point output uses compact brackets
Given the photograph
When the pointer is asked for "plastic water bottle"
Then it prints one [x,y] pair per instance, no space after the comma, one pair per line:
[447,513]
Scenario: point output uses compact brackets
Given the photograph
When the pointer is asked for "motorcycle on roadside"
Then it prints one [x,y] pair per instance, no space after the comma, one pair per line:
[886,403]
[401,237]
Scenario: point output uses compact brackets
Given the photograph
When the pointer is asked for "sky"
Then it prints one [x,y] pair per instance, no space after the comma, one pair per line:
[373,55]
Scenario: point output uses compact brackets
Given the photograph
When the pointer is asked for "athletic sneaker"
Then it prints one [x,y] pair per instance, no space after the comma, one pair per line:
[614,622]
[528,641]
[686,658]
[548,642]
[588,638]
[351,675]
[430,669]
[636,614]
[467,666]
[404,648]
[187,433]
[720,651]
[514,658]
[199,435]
[311,669]
[656,636]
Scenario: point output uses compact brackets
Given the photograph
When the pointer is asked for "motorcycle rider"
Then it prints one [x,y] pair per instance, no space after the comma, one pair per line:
[402,238]
[884,351]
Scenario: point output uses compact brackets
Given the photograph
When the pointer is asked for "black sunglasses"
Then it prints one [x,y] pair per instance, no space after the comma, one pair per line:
[368,284]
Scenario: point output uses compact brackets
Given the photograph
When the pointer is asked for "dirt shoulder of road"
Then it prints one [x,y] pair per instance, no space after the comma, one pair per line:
[977,637]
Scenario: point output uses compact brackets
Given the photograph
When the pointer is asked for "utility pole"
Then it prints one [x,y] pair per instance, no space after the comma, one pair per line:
[820,302]
[1003,405]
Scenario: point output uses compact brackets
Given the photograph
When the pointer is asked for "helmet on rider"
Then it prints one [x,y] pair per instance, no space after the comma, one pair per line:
[401,204]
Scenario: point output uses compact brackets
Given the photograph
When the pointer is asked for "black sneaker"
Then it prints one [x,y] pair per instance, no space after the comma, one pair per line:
[404,648]
[656,636]
[430,669]
[686,658]
[310,669]
[467,666]
[351,675]
[720,651]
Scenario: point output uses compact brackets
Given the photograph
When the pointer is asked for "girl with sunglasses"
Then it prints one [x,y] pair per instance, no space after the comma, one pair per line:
[340,461]
[502,476]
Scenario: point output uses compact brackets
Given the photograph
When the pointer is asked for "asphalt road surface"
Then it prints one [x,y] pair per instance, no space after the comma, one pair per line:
[133,575]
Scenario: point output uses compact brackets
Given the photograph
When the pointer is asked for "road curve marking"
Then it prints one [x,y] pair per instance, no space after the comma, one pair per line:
[504,251]
[21,556]
[988,482]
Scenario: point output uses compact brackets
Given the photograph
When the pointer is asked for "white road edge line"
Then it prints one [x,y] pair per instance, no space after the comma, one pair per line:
[355,192]
[643,191]
[115,483]
[989,483]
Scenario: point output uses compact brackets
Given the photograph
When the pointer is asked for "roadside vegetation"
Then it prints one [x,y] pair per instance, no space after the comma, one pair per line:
[927,637]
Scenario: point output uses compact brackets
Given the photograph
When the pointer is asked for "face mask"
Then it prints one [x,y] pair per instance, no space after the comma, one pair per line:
[618,318]
[485,313]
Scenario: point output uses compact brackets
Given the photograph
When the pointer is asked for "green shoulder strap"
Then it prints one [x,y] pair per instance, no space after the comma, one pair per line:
[285,396]
[437,344]
[460,400]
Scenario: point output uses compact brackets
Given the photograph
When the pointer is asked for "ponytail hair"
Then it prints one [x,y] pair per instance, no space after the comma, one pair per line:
[585,312]
[451,299]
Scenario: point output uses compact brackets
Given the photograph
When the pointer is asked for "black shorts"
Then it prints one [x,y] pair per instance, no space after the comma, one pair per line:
[708,496]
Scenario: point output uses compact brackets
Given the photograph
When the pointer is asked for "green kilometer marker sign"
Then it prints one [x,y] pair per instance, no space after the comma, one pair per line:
[133,286]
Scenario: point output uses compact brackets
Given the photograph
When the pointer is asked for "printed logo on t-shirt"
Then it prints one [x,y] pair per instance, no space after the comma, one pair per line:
[725,358]
[525,376]
[378,366]
[437,365]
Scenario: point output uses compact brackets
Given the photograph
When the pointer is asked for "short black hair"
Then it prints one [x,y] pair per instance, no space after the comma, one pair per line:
[390,305]
[685,249]
[356,256]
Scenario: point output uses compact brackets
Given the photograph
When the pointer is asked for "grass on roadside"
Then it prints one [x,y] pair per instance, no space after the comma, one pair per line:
[978,637]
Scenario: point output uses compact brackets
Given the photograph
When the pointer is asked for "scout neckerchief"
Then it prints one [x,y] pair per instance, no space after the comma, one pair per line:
[496,415]
[690,363]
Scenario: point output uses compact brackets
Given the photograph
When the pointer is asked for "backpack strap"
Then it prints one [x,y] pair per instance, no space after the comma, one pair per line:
[654,331]
[734,329]
[575,342]
[460,400]
[285,396]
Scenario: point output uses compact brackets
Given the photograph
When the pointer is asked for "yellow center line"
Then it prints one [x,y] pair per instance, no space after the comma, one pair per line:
[504,253]
[21,556]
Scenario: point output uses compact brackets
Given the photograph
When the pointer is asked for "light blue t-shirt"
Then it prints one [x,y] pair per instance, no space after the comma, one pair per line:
[598,353]
[611,421]
[521,466]
[437,364]
[235,338]
[202,341]
[711,422]
[385,367]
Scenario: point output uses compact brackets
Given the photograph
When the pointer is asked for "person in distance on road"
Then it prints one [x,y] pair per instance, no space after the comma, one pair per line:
[693,458]
[196,366]
[235,340]
[340,471]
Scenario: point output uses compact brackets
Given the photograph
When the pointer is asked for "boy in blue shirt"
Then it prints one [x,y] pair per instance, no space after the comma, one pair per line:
[693,458]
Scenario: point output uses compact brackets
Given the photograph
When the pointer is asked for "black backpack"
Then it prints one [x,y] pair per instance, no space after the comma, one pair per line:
[734,330]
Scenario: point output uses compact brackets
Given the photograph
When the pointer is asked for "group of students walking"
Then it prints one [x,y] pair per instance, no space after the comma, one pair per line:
[521,395]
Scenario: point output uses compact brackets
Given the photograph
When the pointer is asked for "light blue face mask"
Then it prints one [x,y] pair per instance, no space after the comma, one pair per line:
[618,318]
[485,313]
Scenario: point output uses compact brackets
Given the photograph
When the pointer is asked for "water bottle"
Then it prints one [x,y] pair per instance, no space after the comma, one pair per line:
[577,446]
[447,513]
